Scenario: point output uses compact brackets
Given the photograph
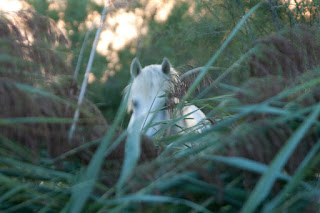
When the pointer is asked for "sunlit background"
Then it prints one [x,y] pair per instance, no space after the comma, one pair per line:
[122,26]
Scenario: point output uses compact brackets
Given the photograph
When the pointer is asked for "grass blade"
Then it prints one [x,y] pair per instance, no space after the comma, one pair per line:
[132,154]
[30,120]
[86,76]
[245,164]
[36,170]
[82,190]
[157,199]
[299,175]
[266,182]
[206,68]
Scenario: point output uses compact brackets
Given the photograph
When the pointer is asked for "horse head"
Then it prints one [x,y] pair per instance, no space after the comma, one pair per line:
[147,93]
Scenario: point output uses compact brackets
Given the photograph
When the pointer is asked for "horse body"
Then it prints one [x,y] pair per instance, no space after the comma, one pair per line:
[147,99]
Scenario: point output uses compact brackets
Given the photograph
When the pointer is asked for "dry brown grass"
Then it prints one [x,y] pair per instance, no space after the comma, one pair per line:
[282,62]
[29,56]
[288,55]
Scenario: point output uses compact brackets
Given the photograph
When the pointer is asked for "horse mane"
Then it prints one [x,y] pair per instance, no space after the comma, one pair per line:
[183,83]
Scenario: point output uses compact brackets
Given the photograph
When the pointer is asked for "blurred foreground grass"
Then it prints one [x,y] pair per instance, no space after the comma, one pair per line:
[260,155]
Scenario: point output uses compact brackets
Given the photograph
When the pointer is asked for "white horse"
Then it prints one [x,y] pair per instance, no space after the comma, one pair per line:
[147,99]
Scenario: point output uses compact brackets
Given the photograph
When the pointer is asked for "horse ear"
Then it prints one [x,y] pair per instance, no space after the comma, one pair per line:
[135,68]
[166,66]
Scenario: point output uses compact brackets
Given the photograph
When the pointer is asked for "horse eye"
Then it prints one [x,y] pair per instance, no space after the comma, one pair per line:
[135,103]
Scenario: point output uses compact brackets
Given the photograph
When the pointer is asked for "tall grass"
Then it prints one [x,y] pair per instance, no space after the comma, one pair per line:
[245,162]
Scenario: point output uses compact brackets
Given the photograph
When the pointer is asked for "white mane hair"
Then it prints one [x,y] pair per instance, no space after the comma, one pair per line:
[151,80]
